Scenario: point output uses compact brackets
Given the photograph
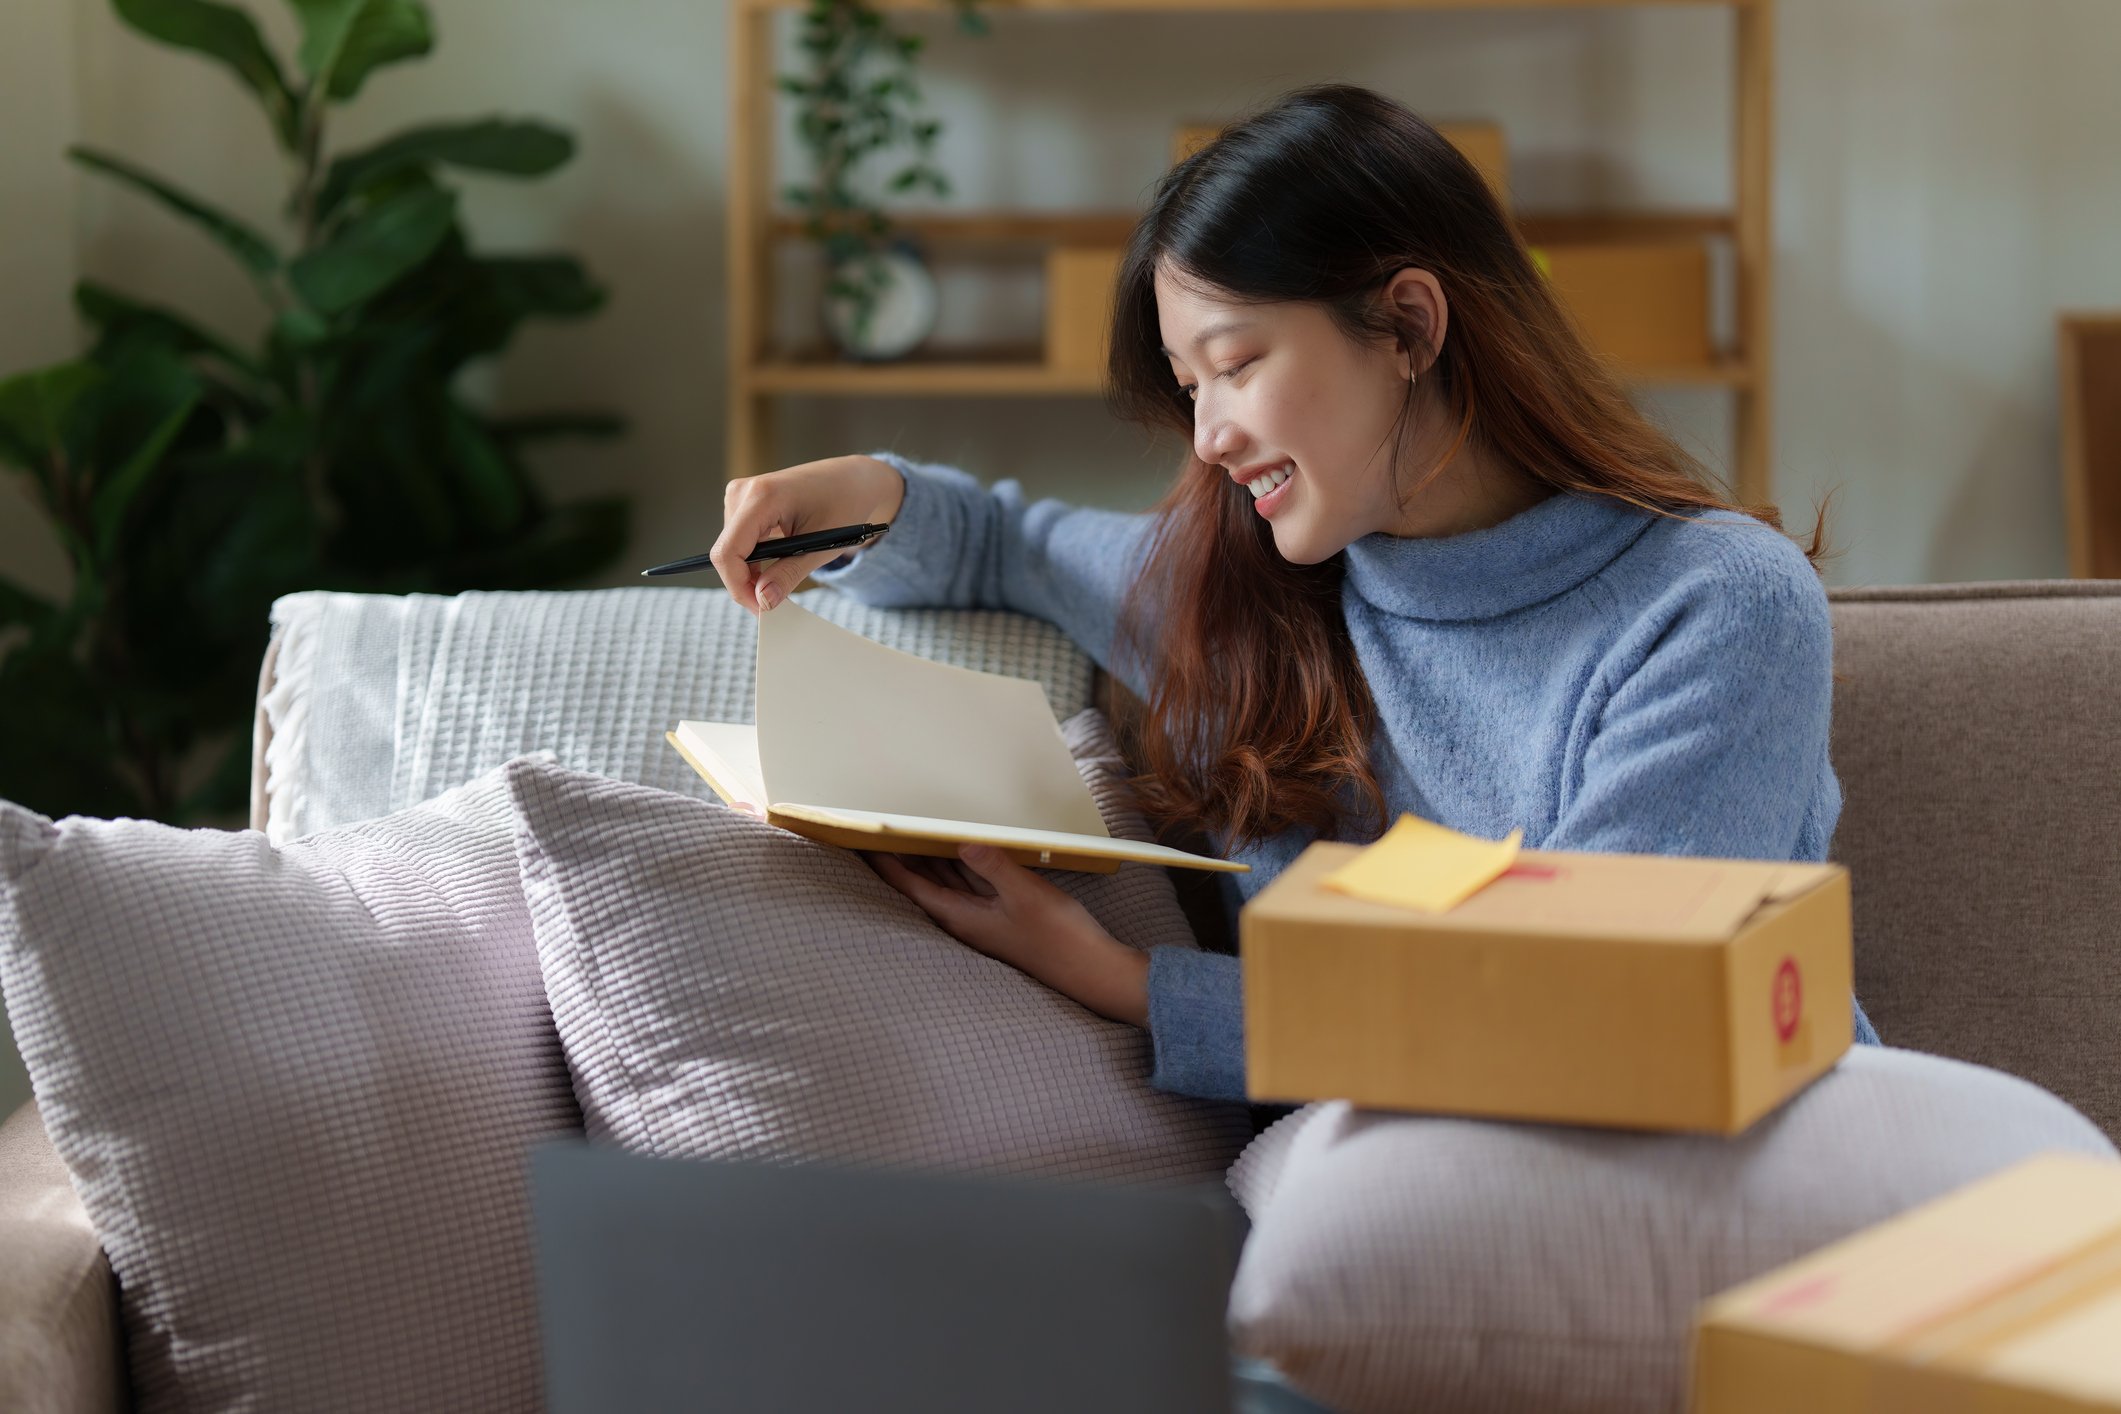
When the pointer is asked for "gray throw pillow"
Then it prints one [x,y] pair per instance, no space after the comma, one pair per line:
[1407,1262]
[295,1089]
[725,989]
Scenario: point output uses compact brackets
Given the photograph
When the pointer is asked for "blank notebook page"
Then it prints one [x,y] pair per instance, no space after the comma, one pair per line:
[848,723]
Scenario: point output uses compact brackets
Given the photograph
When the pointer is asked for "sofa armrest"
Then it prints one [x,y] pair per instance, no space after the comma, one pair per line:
[60,1350]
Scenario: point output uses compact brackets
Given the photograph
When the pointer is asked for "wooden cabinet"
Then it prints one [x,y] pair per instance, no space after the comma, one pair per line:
[1589,253]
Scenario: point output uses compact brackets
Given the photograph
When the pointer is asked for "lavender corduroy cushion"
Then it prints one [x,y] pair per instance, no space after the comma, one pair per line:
[1410,1263]
[295,1089]
[725,989]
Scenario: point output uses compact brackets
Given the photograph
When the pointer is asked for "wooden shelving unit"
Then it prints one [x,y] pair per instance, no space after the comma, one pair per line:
[759,375]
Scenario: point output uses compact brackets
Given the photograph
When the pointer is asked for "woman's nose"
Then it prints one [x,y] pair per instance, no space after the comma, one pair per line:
[1215,439]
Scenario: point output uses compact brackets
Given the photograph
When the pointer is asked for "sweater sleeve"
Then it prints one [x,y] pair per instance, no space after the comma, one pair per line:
[1197,1023]
[958,544]
[1712,740]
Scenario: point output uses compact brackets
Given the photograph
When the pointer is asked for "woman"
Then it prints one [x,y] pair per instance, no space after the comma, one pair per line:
[1423,556]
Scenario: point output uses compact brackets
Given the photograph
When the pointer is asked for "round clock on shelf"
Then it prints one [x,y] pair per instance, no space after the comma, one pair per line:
[903,316]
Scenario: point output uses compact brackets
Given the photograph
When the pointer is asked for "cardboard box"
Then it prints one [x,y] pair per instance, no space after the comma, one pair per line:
[1635,991]
[2002,1298]
[1644,304]
[1079,288]
[1480,142]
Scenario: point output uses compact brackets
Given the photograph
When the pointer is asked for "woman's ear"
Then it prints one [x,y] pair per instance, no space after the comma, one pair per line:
[1418,303]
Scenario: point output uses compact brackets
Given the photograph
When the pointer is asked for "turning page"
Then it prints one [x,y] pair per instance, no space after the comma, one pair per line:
[846,723]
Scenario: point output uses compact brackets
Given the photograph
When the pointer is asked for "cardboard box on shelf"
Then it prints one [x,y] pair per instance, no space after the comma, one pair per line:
[1632,991]
[1482,143]
[1483,146]
[2002,1298]
[1191,138]
[1644,304]
[1079,284]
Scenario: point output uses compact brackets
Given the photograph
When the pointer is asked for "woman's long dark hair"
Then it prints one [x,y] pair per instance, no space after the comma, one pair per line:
[1257,717]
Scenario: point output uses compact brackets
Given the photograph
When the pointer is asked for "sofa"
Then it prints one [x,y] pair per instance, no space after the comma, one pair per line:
[1975,735]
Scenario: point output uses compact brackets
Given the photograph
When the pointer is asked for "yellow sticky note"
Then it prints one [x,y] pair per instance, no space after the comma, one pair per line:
[1419,864]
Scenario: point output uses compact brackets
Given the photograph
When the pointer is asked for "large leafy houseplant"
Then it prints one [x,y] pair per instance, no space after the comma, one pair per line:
[192,478]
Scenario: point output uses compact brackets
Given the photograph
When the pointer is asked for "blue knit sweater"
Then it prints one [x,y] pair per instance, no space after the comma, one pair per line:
[1607,679]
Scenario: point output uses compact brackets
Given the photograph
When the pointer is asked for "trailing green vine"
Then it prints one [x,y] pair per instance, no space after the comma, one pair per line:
[858,99]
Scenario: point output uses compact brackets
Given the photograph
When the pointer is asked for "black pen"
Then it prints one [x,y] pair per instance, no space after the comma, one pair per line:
[840,537]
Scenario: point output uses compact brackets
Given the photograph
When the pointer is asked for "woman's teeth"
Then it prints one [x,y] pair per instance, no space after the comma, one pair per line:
[1266,481]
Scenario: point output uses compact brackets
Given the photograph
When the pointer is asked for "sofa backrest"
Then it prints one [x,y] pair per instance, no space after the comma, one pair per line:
[371,703]
[1977,734]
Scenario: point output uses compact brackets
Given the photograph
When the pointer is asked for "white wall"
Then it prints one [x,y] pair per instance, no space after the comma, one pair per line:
[1947,180]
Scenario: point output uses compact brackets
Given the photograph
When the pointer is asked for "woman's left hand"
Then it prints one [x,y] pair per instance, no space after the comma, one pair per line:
[989,901]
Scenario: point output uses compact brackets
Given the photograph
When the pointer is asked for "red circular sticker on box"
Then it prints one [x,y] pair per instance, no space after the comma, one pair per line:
[1789,1000]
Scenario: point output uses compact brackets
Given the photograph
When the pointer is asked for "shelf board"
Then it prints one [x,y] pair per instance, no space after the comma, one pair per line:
[1143,6]
[1016,375]
[1072,228]
[1601,227]
[1111,228]
[963,375]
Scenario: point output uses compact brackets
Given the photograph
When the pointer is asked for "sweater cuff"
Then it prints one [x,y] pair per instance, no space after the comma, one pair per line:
[896,569]
[1197,1023]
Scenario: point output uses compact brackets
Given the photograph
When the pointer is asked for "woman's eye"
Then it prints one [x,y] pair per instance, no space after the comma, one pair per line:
[1192,390]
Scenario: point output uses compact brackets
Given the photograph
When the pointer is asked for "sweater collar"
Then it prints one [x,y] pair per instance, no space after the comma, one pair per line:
[1532,557]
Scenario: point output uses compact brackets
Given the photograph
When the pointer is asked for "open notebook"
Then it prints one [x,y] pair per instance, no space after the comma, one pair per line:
[864,746]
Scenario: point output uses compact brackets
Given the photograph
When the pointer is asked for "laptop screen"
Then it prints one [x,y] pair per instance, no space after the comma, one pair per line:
[681,1284]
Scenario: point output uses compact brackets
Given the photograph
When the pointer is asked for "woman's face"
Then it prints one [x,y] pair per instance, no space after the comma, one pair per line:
[1279,392]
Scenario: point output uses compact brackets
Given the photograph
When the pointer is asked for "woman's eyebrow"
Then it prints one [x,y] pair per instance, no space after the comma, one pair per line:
[1227,326]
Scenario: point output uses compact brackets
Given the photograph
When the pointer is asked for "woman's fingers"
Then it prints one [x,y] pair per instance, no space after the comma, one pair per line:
[939,886]
[747,514]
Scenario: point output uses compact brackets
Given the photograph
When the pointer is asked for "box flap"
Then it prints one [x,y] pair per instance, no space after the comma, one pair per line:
[1606,896]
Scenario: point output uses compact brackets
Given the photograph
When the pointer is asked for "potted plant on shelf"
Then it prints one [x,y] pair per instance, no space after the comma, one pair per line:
[858,98]
[192,478]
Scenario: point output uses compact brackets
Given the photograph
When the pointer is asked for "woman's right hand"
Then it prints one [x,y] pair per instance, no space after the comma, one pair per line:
[814,496]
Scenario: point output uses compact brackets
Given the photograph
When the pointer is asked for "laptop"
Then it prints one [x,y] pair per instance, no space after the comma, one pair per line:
[669,1284]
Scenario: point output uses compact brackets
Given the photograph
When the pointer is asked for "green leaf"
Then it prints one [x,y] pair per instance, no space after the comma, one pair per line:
[36,409]
[116,495]
[551,286]
[300,330]
[491,485]
[374,250]
[118,314]
[244,242]
[516,149]
[226,34]
[384,32]
[326,25]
